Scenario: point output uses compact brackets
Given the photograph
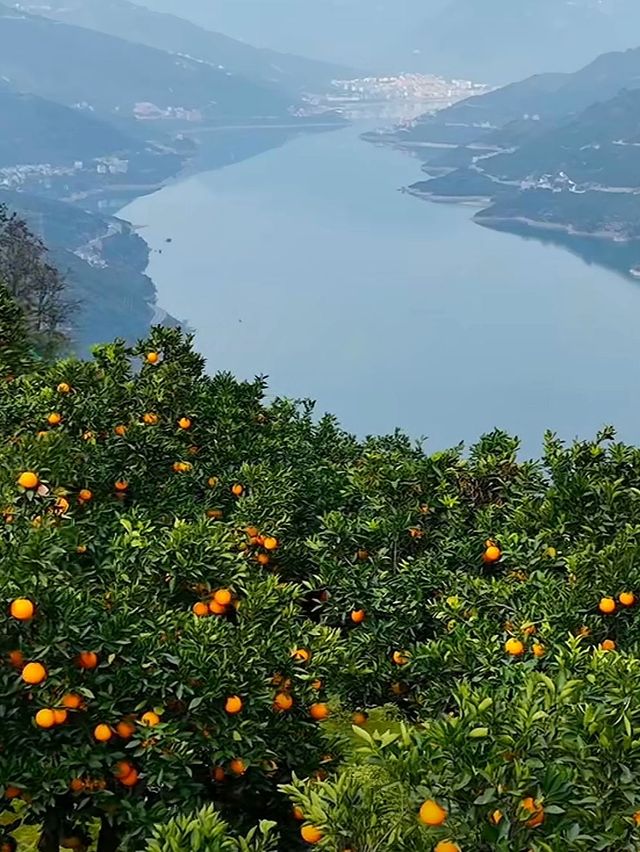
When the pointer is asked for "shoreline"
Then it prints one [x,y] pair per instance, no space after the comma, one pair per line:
[536,224]
[469,200]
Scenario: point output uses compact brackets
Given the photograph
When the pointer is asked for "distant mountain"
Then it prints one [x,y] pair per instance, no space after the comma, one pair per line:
[361,33]
[502,40]
[112,77]
[509,115]
[597,146]
[494,41]
[34,130]
[579,172]
[176,35]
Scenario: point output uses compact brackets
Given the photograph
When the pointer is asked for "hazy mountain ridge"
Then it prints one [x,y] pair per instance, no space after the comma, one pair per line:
[492,41]
[170,33]
[500,40]
[35,130]
[73,65]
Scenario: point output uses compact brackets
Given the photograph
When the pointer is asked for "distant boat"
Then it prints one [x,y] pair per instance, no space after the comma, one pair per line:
[635,271]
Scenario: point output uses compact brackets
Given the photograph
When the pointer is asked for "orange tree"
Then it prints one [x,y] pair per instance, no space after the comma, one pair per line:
[193,580]
[544,762]
[156,651]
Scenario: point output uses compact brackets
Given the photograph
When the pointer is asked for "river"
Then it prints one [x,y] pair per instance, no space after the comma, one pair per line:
[306,264]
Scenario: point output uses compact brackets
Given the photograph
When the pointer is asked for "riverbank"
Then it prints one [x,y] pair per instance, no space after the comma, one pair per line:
[467,200]
[568,229]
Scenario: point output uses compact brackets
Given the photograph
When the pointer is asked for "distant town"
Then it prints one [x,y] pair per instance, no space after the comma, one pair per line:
[399,96]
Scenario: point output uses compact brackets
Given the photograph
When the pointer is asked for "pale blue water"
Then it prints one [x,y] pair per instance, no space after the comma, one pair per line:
[306,264]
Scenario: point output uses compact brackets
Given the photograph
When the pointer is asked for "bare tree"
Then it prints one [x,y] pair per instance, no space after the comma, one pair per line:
[36,285]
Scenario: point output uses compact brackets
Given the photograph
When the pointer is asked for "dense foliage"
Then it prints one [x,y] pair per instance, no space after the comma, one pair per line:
[202,591]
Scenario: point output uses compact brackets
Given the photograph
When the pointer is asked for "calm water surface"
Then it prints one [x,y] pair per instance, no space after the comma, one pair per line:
[307,265]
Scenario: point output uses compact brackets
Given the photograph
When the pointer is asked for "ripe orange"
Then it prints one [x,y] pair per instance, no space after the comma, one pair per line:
[400,658]
[87,660]
[12,792]
[150,719]
[233,705]
[316,684]
[216,514]
[362,554]
[496,817]
[22,609]
[223,597]
[130,779]
[514,647]
[431,813]
[184,423]
[76,785]
[529,805]
[283,701]
[120,430]
[627,598]
[152,357]
[125,729]
[636,817]
[54,419]
[121,485]
[358,616]
[237,489]
[28,480]
[446,846]
[607,606]
[219,774]
[200,609]
[71,701]
[319,711]
[122,768]
[63,387]
[252,532]
[45,718]
[301,655]
[270,543]
[238,766]
[298,813]
[216,608]
[311,834]
[34,673]
[263,558]
[212,481]
[538,650]
[492,554]
[60,716]
[150,418]
[85,495]
[359,718]
[608,645]
[102,733]
[16,659]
